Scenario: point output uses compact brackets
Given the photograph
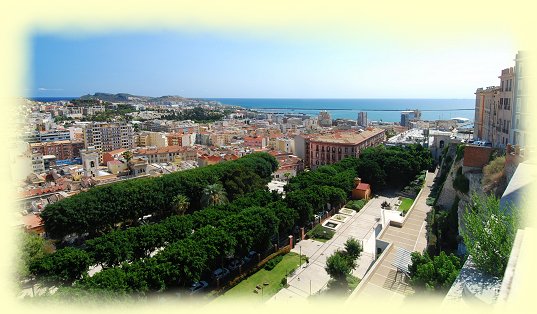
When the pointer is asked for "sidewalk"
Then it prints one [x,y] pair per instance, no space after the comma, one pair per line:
[311,278]
[384,281]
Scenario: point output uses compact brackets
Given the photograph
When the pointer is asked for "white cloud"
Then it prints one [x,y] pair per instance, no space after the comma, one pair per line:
[42,89]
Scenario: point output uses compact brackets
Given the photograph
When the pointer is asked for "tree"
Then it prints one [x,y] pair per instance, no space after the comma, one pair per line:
[353,248]
[63,266]
[213,194]
[180,204]
[489,232]
[112,249]
[127,155]
[436,274]
[33,247]
[337,266]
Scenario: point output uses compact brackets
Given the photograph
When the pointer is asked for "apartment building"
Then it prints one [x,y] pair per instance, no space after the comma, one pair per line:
[325,149]
[61,149]
[108,136]
[362,119]
[168,154]
[157,139]
[48,136]
[325,120]
[503,113]
[521,111]
[486,102]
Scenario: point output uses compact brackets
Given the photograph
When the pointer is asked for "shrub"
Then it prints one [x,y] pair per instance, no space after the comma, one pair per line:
[273,262]
[460,152]
[461,183]
[356,205]
[493,173]
[489,232]
[284,282]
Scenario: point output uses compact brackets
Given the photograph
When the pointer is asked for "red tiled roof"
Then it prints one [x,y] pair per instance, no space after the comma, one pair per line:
[363,187]
[117,151]
[32,221]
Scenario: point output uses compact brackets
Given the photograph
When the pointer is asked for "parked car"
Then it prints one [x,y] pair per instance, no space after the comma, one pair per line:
[198,286]
[220,273]
[235,264]
[252,255]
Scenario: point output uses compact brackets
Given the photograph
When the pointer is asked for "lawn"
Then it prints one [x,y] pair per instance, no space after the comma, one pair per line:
[320,233]
[273,277]
[405,204]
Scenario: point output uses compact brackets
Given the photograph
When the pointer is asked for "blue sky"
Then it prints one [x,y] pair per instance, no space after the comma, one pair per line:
[220,64]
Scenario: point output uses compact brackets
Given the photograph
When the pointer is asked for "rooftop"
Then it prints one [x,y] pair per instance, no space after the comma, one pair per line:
[346,137]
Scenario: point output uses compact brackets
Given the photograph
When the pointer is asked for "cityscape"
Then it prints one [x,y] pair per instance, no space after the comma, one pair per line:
[199,168]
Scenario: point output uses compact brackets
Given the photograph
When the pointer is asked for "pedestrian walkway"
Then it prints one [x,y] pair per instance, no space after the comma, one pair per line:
[384,281]
[311,278]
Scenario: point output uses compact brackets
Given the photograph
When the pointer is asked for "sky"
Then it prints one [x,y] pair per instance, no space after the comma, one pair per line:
[215,64]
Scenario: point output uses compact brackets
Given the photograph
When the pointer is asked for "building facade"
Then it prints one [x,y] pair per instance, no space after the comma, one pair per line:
[325,120]
[61,149]
[521,111]
[362,119]
[486,103]
[109,136]
[330,148]
[503,113]
[408,116]
[168,154]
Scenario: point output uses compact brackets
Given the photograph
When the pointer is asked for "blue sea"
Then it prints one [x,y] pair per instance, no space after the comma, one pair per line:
[388,110]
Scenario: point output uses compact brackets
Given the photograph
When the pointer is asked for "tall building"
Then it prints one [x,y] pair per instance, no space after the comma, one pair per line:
[109,136]
[521,111]
[409,115]
[485,103]
[502,113]
[325,120]
[362,119]
[325,149]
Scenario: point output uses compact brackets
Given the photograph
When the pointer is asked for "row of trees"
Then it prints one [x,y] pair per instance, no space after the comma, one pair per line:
[380,166]
[105,208]
[221,231]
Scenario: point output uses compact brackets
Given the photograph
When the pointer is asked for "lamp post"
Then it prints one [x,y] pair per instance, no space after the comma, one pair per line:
[299,256]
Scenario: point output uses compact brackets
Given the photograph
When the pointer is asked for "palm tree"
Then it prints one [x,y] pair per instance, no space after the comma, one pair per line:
[213,194]
[180,204]
[127,155]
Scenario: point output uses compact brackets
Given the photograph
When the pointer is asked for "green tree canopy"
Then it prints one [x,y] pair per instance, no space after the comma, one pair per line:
[214,194]
[434,274]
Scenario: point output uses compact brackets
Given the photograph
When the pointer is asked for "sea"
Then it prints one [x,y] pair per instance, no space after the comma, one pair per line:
[386,110]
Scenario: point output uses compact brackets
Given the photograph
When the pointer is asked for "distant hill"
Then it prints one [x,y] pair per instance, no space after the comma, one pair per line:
[123,97]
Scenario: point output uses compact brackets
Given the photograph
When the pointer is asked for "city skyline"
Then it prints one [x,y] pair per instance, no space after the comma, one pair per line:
[230,65]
